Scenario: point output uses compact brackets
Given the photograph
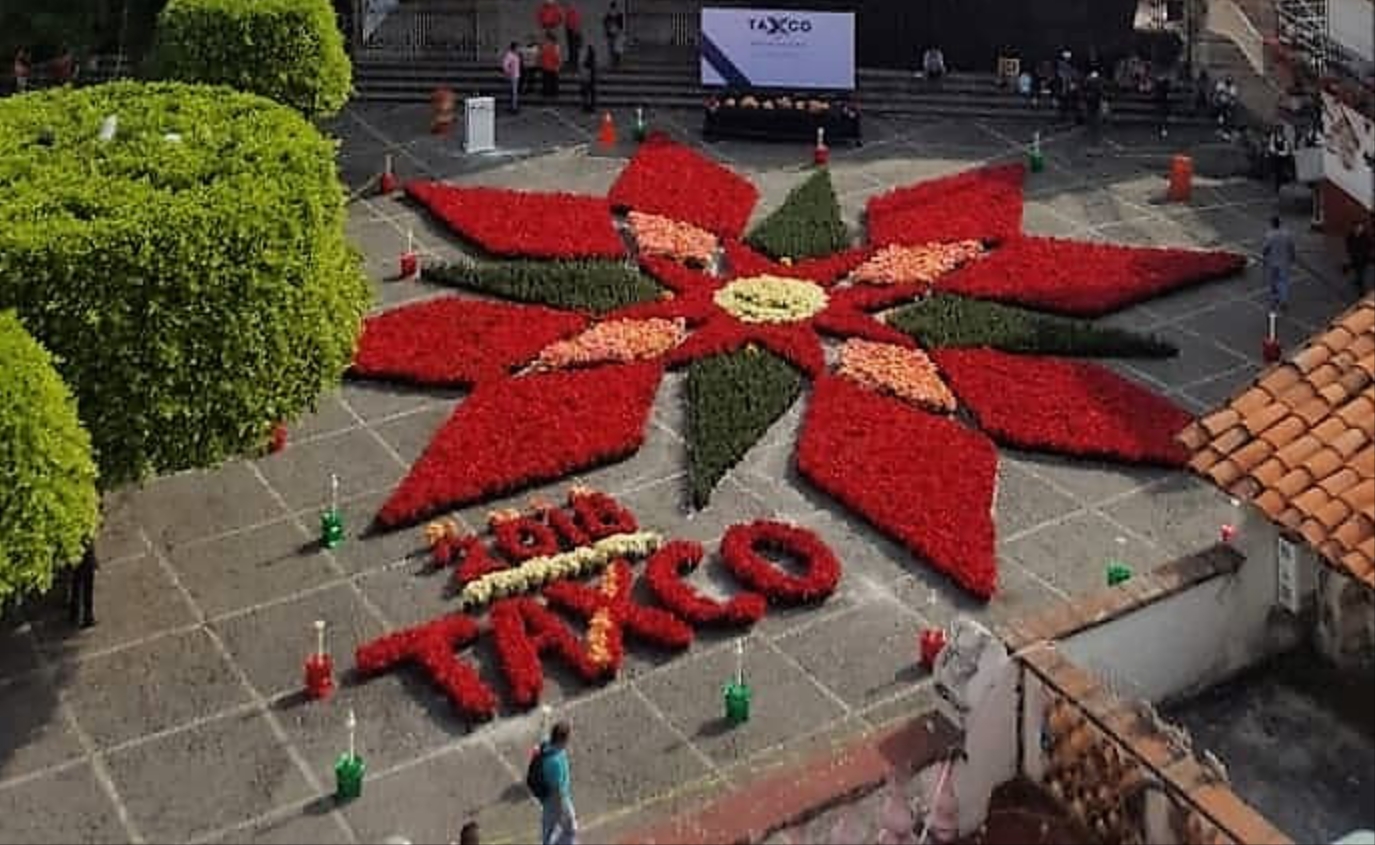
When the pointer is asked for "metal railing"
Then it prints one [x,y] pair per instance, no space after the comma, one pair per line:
[428,28]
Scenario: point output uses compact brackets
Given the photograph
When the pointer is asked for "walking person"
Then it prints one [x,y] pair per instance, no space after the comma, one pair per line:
[23,68]
[511,68]
[1360,253]
[550,63]
[549,16]
[81,597]
[572,33]
[613,24]
[587,82]
[548,777]
[1278,255]
[1162,104]
[1093,107]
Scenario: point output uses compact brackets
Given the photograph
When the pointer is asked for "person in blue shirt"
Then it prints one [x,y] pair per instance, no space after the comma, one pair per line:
[559,824]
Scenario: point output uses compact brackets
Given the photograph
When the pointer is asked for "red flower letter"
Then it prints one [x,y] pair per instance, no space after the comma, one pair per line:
[664,576]
[432,647]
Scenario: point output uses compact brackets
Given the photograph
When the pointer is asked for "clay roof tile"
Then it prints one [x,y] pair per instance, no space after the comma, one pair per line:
[1271,502]
[1290,517]
[1354,531]
[1193,437]
[1252,400]
[1314,532]
[1354,380]
[1361,319]
[1284,432]
[1225,473]
[1265,417]
[1219,421]
[1310,501]
[1313,410]
[1349,442]
[1361,567]
[1298,451]
[1279,379]
[1293,483]
[1362,346]
[1329,429]
[1332,513]
[1360,498]
[1311,356]
[1252,454]
[1270,472]
[1325,375]
[1359,413]
[1298,394]
[1337,483]
[1232,440]
[1323,463]
[1334,393]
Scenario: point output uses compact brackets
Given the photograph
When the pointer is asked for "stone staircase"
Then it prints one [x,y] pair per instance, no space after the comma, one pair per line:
[670,80]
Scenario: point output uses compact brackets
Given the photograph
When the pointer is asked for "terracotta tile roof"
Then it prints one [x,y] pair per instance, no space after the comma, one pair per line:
[1300,442]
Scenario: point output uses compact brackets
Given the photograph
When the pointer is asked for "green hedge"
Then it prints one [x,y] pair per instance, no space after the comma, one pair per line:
[195,291]
[944,320]
[807,224]
[48,502]
[595,286]
[732,400]
[289,50]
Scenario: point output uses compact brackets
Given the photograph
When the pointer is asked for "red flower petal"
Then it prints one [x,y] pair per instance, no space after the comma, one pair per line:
[521,223]
[1071,407]
[977,204]
[923,480]
[672,180]
[676,277]
[829,269]
[526,431]
[1085,279]
[846,322]
[743,260]
[797,343]
[452,342]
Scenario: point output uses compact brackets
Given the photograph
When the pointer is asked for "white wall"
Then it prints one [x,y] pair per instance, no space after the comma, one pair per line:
[1351,23]
[1193,639]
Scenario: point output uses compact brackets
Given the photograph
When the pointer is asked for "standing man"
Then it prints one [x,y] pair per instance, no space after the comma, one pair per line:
[550,63]
[1278,256]
[510,68]
[1360,252]
[559,824]
[587,82]
[81,599]
[572,33]
[613,24]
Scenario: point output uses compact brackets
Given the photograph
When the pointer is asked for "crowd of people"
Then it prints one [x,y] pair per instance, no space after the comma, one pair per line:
[546,57]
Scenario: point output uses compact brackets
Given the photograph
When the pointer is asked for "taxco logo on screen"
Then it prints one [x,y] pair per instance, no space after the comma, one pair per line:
[780,25]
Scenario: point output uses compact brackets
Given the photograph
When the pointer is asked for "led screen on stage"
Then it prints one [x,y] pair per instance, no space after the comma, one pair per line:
[777,48]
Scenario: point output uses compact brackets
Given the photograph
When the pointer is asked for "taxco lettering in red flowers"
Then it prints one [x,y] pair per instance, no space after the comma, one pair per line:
[544,550]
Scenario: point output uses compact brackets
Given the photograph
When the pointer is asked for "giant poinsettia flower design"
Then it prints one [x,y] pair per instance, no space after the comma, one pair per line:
[943,320]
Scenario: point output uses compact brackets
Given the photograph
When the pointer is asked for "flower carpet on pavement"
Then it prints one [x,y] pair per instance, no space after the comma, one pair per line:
[902,430]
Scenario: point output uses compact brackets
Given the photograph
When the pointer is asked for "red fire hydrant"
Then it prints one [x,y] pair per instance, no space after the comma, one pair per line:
[930,644]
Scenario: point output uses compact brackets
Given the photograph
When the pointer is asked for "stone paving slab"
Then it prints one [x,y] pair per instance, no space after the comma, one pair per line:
[210,580]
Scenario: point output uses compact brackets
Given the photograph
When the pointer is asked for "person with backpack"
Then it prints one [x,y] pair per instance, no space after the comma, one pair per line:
[549,780]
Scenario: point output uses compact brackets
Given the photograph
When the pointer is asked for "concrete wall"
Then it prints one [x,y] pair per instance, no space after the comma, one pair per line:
[1194,639]
[1345,621]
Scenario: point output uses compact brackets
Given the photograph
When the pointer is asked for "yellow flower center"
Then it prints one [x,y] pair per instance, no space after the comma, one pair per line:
[771,299]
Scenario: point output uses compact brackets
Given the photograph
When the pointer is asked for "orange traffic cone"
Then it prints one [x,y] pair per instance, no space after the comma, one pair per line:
[606,136]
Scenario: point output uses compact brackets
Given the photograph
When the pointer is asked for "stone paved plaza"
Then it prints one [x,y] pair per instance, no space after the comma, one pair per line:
[180,718]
